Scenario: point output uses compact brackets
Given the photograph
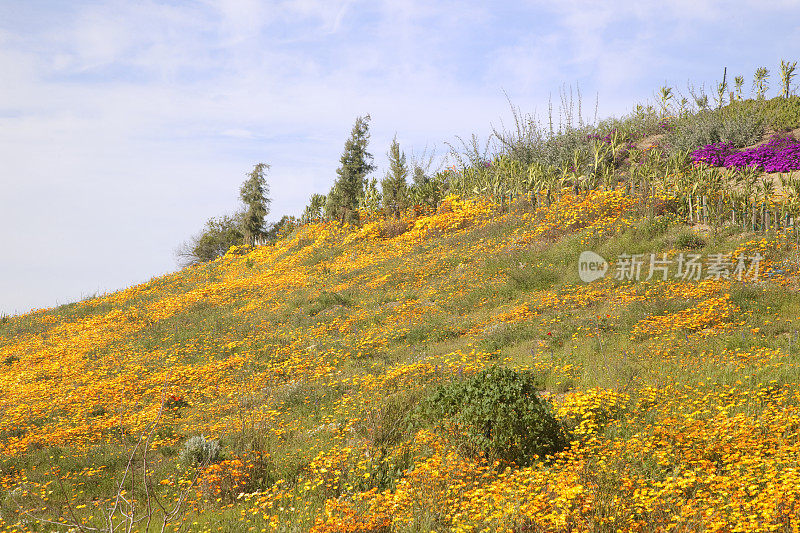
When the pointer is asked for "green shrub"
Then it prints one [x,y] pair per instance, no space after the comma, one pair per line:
[740,124]
[433,329]
[529,141]
[785,115]
[689,241]
[498,412]
[639,123]
[390,227]
[199,451]
[387,423]
[215,239]
[744,130]
[656,226]
[328,300]
[281,229]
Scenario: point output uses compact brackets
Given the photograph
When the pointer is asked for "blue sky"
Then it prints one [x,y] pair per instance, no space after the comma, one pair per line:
[124,126]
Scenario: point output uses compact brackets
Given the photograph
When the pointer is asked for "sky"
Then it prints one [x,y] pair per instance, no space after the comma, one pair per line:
[124,126]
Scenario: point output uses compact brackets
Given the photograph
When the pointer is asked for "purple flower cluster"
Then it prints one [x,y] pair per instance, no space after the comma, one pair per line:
[715,154]
[780,154]
[608,139]
[665,125]
[605,138]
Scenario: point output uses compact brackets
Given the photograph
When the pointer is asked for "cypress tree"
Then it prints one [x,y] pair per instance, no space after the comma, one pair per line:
[356,163]
[395,188]
[255,196]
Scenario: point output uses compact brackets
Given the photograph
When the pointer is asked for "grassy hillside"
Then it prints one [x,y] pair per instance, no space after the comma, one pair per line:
[311,361]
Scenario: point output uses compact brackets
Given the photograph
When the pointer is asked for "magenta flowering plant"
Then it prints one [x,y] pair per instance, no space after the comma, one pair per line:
[780,154]
[715,154]
[666,125]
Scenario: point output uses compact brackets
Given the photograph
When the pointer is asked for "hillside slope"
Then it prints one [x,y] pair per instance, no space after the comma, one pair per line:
[308,360]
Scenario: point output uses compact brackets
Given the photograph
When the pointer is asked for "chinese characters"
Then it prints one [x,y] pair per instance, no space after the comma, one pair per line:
[687,267]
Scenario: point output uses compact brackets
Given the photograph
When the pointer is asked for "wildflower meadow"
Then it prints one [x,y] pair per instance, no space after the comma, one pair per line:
[443,367]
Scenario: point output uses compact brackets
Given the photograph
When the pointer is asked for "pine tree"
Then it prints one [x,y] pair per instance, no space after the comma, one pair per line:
[255,196]
[356,164]
[394,186]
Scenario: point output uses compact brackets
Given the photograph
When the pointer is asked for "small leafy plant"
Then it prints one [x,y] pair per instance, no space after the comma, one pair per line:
[199,451]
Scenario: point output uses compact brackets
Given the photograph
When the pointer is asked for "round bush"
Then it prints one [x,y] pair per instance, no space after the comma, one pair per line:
[499,413]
